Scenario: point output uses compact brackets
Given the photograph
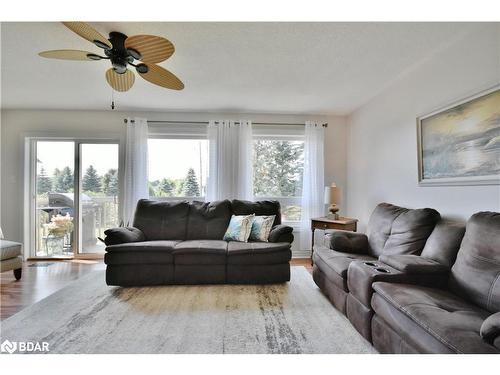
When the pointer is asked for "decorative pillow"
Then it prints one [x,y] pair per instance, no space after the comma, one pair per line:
[239,228]
[261,228]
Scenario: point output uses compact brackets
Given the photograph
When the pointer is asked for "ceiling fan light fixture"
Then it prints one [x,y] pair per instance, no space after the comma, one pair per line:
[100,44]
[122,51]
[120,69]
[142,68]
[93,56]
[134,53]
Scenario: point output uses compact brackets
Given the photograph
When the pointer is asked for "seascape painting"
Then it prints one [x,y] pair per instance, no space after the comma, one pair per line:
[461,144]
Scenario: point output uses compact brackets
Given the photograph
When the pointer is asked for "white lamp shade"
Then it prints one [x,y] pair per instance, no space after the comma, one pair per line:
[332,194]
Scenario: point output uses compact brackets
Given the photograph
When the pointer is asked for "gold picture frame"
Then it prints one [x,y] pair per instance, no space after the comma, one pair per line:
[460,144]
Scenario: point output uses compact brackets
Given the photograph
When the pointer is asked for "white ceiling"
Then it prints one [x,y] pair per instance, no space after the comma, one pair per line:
[313,68]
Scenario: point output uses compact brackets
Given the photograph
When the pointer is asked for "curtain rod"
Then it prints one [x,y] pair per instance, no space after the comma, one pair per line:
[206,122]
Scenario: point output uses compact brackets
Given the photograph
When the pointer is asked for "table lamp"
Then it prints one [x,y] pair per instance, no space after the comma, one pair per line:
[332,198]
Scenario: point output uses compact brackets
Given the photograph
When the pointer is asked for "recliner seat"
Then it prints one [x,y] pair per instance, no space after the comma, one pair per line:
[181,243]
[391,230]
[431,267]
[461,315]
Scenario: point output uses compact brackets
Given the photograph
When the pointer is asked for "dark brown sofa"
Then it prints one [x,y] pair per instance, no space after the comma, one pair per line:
[430,268]
[391,230]
[182,243]
[458,314]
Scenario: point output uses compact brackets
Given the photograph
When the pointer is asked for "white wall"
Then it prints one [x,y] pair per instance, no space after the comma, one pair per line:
[17,124]
[382,142]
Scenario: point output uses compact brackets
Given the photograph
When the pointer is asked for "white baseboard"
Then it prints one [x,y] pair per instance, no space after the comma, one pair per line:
[301,253]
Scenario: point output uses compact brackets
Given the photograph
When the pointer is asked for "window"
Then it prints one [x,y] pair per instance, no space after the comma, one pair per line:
[75,189]
[177,168]
[178,162]
[278,167]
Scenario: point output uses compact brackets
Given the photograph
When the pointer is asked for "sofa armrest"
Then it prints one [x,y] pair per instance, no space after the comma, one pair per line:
[361,274]
[115,236]
[406,269]
[281,233]
[414,264]
[418,270]
[347,242]
[490,330]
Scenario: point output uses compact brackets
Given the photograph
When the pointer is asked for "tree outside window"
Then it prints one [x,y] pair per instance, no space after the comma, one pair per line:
[178,168]
[278,170]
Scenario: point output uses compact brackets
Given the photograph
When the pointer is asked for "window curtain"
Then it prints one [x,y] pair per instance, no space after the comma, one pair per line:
[230,174]
[313,180]
[136,167]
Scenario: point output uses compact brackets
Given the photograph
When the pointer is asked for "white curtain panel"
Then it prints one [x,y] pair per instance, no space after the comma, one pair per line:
[313,181]
[136,167]
[230,174]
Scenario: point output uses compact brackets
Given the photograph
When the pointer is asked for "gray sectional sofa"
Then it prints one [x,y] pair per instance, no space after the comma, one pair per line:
[415,283]
[182,243]
[460,313]
[391,230]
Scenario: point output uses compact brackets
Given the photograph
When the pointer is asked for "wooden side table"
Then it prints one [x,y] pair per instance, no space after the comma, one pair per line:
[343,223]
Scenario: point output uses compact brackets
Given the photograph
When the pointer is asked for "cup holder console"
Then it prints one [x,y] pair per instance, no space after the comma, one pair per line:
[377,267]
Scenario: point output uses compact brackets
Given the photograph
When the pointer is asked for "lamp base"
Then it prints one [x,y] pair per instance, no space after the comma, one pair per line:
[333,215]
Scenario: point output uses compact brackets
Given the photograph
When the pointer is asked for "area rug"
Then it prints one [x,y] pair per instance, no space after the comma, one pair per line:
[90,317]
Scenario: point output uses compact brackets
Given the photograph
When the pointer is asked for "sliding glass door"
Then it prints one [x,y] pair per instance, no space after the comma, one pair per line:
[99,187]
[75,185]
[54,193]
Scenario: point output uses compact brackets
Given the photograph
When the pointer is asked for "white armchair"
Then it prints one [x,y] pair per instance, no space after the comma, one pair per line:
[11,258]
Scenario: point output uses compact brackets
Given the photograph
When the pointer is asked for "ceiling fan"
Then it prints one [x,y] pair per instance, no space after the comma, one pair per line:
[123,52]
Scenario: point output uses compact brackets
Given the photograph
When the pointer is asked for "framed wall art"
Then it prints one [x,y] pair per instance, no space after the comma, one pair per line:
[460,144]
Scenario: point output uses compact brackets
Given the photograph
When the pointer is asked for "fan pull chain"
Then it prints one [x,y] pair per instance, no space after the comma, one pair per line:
[112,99]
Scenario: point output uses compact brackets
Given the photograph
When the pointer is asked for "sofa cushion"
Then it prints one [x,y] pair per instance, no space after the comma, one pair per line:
[476,272]
[139,257]
[433,320]
[259,208]
[490,329]
[239,228]
[444,242]
[346,241]
[200,252]
[281,233]
[412,264]
[150,246]
[9,249]
[115,236]
[261,228]
[208,220]
[258,252]
[334,264]
[162,220]
[399,230]
[148,252]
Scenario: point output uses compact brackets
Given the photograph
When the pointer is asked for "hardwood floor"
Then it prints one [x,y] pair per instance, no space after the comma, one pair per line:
[42,278]
[39,280]
[304,262]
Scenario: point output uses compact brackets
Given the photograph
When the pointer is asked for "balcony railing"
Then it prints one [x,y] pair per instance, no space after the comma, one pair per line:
[98,213]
